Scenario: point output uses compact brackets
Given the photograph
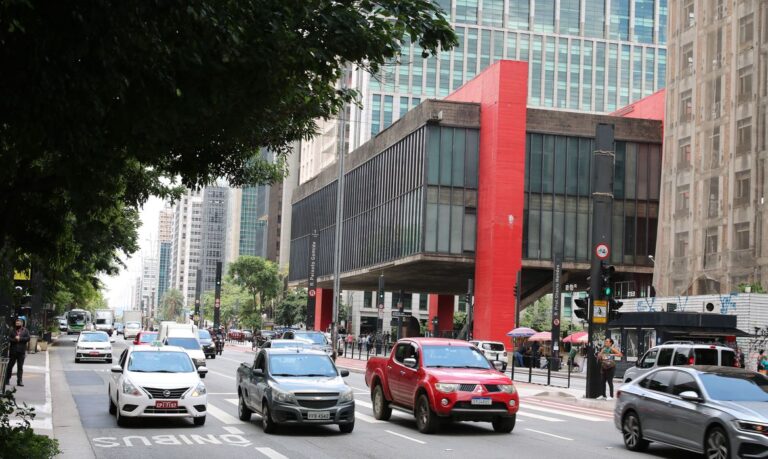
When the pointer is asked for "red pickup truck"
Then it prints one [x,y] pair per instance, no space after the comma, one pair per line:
[441,380]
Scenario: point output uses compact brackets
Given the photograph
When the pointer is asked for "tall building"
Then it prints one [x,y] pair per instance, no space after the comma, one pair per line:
[713,187]
[288,186]
[187,240]
[584,55]
[149,275]
[247,222]
[165,244]
[214,233]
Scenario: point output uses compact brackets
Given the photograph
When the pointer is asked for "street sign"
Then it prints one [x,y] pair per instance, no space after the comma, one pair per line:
[602,251]
[311,292]
[399,313]
[600,312]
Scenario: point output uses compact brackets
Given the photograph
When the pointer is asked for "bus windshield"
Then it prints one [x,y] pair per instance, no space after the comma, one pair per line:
[77,318]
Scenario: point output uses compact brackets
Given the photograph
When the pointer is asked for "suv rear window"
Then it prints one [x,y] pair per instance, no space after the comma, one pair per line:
[665,356]
[493,346]
[705,356]
[727,358]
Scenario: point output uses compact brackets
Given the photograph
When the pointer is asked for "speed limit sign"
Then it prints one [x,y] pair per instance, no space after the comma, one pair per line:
[602,251]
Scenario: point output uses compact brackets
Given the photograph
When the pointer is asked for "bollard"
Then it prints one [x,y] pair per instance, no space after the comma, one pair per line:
[549,370]
[530,369]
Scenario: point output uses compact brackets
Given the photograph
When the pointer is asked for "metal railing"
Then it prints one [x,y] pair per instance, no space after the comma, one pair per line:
[556,369]
[361,350]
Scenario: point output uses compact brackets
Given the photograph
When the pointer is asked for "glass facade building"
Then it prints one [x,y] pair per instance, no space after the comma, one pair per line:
[585,55]
[164,268]
[253,221]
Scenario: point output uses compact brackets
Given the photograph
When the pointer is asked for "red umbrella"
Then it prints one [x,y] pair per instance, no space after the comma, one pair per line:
[541,336]
[576,338]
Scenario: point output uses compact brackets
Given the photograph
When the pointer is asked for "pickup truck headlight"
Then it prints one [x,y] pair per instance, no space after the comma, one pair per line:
[199,390]
[130,389]
[752,427]
[447,388]
[507,388]
[282,396]
[346,397]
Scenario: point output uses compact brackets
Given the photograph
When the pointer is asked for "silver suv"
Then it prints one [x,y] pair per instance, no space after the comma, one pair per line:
[681,353]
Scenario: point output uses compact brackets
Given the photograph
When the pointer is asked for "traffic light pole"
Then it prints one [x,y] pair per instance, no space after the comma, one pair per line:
[602,204]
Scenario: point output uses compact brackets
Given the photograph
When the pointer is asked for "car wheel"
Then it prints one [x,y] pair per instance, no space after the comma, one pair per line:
[213,356]
[267,423]
[77,360]
[504,425]
[633,433]
[199,421]
[347,428]
[426,420]
[112,406]
[121,420]
[716,445]
[243,412]
[381,409]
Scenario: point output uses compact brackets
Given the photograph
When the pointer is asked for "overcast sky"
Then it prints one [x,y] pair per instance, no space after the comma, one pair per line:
[118,288]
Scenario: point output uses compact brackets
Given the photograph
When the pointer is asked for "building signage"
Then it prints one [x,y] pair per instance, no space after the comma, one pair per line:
[556,276]
[600,312]
[312,279]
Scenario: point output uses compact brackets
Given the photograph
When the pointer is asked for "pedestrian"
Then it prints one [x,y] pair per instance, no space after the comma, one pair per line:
[17,341]
[607,358]
[764,364]
[535,353]
[760,356]
[519,354]
[572,356]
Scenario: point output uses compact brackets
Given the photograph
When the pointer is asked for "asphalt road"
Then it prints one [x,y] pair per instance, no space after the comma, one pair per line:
[544,429]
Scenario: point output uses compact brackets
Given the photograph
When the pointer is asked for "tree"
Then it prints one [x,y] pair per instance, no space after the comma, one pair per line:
[111,102]
[233,298]
[257,276]
[171,304]
[538,315]
[291,308]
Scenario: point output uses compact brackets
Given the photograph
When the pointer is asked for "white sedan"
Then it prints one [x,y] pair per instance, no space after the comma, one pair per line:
[93,345]
[157,381]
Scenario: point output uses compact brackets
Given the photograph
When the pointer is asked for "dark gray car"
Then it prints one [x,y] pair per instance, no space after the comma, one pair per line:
[295,386]
[719,411]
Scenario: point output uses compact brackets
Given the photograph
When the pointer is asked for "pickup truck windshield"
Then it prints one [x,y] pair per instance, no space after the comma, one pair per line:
[160,362]
[454,357]
[301,365]
[185,343]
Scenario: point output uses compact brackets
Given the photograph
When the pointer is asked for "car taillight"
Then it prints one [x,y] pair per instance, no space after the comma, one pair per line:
[690,360]
[618,393]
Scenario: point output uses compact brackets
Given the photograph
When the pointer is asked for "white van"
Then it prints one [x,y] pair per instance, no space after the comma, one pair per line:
[184,336]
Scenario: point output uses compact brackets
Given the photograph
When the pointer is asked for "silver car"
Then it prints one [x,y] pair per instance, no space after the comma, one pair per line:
[719,411]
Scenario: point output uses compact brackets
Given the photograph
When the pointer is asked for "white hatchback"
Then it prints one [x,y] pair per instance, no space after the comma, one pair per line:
[92,346]
[157,381]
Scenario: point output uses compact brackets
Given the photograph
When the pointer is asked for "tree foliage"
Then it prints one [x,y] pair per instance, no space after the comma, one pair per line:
[18,439]
[171,304]
[291,308]
[233,298]
[257,276]
[538,315]
[102,102]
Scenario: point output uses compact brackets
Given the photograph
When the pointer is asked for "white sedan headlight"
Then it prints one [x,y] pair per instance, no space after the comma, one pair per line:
[130,389]
[447,388]
[347,396]
[282,397]
[507,388]
[199,390]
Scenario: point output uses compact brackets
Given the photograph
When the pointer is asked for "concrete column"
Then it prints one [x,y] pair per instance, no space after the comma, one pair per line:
[441,306]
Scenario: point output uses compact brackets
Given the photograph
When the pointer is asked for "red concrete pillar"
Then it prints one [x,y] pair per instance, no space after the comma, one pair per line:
[442,307]
[502,92]
[323,309]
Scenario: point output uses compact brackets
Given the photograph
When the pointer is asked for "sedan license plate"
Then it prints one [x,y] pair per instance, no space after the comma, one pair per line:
[96,353]
[481,401]
[163,405]
[318,415]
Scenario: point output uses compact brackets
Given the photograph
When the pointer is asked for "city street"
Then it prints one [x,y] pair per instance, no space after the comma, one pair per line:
[545,428]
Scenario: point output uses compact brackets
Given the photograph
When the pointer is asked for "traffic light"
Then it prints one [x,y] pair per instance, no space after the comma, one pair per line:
[582,308]
[606,271]
[613,309]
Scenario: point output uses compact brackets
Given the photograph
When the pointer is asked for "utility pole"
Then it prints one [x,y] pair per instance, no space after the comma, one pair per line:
[602,202]
[470,307]
[217,298]
[198,287]
[339,219]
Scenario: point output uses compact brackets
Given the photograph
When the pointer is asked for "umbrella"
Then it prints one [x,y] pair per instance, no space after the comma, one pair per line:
[576,338]
[521,332]
[541,336]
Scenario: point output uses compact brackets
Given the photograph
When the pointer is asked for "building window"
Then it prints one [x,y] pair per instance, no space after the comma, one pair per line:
[519,15]
[746,29]
[466,11]
[713,203]
[569,16]
[423,301]
[493,13]
[686,106]
[367,299]
[595,11]
[686,60]
[714,160]
[544,16]
[744,135]
[742,188]
[741,236]
[644,21]
[619,20]
[681,244]
[689,18]
[683,199]
[745,84]
[684,153]
[710,241]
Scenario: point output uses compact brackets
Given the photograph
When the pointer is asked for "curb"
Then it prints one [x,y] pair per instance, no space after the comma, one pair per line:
[351,369]
[603,405]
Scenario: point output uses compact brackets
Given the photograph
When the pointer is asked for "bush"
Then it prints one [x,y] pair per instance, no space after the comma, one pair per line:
[18,439]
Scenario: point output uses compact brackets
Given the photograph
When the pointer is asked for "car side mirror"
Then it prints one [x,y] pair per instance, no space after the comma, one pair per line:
[344,373]
[202,371]
[117,369]
[690,396]
[258,372]
[410,362]
[499,365]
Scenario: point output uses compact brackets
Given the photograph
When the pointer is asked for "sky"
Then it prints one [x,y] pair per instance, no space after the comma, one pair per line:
[117,289]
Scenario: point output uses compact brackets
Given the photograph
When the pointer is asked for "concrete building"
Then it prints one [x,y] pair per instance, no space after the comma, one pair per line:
[165,246]
[712,221]
[149,285]
[186,245]
[288,186]
[213,230]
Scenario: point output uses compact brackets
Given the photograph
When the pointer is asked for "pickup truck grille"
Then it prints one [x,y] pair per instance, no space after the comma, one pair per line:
[172,393]
[317,400]
[467,387]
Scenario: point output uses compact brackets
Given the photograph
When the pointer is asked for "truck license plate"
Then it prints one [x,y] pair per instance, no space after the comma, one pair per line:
[162,405]
[318,415]
[481,401]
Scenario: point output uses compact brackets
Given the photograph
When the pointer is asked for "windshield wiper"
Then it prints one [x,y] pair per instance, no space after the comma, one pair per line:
[284,374]
[318,374]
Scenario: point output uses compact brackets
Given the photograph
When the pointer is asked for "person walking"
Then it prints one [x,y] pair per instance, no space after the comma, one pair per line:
[519,354]
[17,340]
[607,358]
[760,357]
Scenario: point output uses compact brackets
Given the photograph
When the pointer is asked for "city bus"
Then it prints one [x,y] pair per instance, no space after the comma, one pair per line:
[79,320]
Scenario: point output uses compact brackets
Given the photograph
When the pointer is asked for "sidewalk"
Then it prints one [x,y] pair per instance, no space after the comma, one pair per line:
[36,392]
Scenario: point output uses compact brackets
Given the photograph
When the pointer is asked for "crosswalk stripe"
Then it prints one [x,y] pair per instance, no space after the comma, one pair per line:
[583,417]
[581,409]
[233,401]
[366,418]
[223,416]
[539,417]
[270,453]
[233,430]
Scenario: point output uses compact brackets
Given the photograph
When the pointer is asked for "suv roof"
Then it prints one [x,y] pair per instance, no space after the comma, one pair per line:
[692,344]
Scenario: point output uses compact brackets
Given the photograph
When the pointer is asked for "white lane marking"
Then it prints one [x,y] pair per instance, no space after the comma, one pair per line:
[223,416]
[549,434]
[406,437]
[232,360]
[366,418]
[583,417]
[271,453]
[233,430]
[538,416]
[222,375]
[360,389]
[233,401]
[222,393]
[580,409]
